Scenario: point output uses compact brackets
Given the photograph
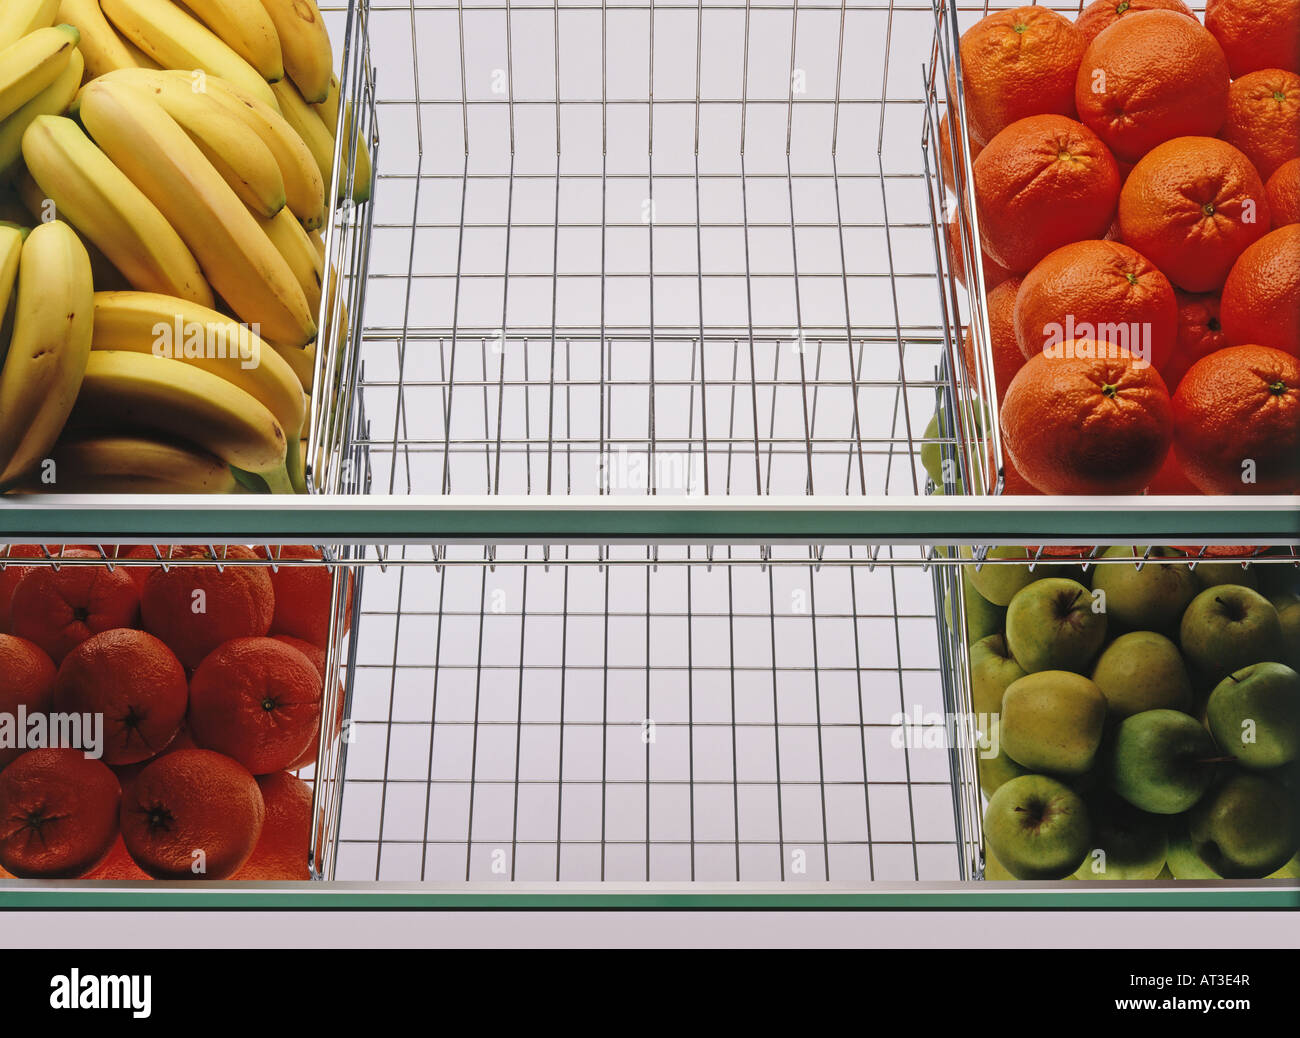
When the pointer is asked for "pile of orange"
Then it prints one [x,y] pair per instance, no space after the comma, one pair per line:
[209,681]
[1147,219]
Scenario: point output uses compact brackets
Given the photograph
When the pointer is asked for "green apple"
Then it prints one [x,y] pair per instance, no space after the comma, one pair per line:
[1254,714]
[1288,618]
[1228,627]
[1152,598]
[1052,722]
[1216,574]
[982,616]
[1246,828]
[994,870]
[1141,671]
[1291,870]
[1038,828]
[1283,599]
[1182,860]
[1160,761]
[992,671]
[1052,625]
[998,582]
[998,769]
[1126,843]
[1166,873]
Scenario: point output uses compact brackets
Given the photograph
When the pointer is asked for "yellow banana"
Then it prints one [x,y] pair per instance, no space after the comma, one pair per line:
[175,40]
[234,150]
[247,29]
[299,252]
[301,360]
[308,125]
[303,187]
[144,322]
[100,45]
[53,100]
[49,350]
[141,391]
[240,262]
[97,198]
[19,18]
[87,463]
[305,43]
[33,63]
[11,249]
[328,110]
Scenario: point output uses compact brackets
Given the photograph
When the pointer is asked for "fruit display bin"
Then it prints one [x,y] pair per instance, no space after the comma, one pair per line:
[651,590]
[969,423]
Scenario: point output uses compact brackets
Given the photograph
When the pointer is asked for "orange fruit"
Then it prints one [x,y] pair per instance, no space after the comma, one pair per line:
[1013,483]
[1256,34]
[1150,77]
[284,849]
[1283,191]
[1171,479]
[1098,290]
[1102,14]
[947,153]
[135,682]
[58,814]
[317,657]
[117,865]
[26,680]
[302,594]
[1200,333]
[994,274]
[1084,422]
[1041,183]
[1192,206]
[145,551]
[196,608]
[1261,298]
[128,773]
[1237,422]
[1264,118]
[1015,64]
[60,609]
[1007,360]
[192,814]
[11,574]
[256,700]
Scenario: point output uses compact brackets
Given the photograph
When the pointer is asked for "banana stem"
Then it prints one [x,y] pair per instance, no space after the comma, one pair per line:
[277,480]
[294,466]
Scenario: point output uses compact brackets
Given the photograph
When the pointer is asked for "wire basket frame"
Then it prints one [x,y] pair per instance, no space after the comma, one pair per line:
[650,249]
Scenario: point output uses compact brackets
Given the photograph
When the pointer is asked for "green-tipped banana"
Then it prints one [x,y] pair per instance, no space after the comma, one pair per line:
[140,391]
[308,56]
[53,100]
[175,40]
[49,350]
[328,110]
[234,150]
[19,18]
[100,44]
[236,256]
[97,198]
[89,463]
[33,63]
[247,29]
[144,322]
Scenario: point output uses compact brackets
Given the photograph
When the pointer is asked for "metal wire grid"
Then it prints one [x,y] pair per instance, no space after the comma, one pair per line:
[642,248]
[634,721]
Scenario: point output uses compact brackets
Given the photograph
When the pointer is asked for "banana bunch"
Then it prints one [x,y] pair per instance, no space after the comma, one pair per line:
[176,160]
